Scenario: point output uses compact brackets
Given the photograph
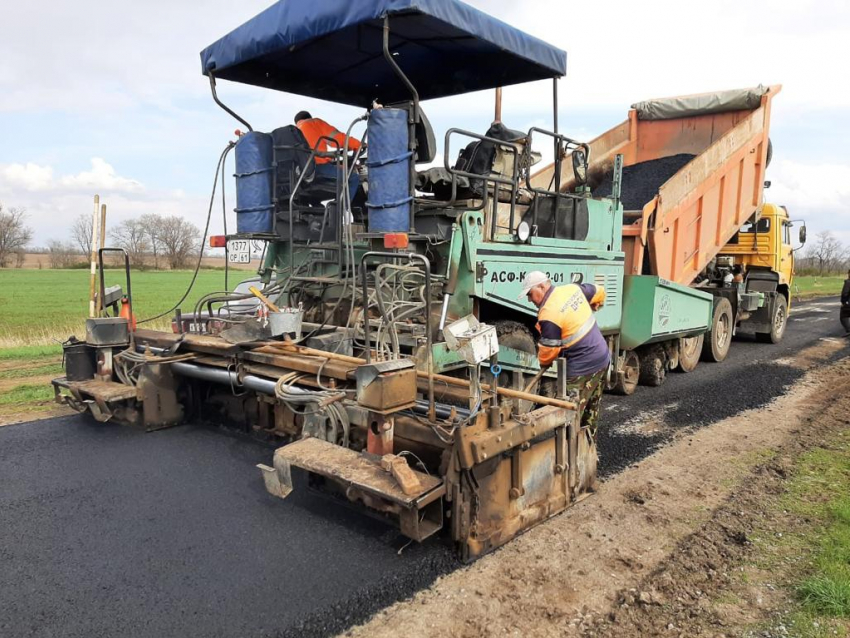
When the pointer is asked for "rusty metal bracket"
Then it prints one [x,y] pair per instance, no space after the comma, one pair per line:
[488,443]
[517,489]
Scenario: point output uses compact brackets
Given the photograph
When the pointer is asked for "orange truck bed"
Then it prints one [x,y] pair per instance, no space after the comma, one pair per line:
[697,210]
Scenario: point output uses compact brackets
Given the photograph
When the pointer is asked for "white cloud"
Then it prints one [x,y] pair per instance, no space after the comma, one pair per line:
[33,177]
[824,187]
[817,193]
[101,177]
[29,176]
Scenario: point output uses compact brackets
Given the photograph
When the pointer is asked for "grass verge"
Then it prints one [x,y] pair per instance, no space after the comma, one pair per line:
[811,286]
[816,506]
[820,492]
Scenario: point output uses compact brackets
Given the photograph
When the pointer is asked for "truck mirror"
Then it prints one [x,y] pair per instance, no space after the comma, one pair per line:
[580,166]
[802,235]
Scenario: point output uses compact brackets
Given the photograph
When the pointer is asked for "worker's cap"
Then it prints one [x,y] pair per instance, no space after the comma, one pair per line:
[532,279]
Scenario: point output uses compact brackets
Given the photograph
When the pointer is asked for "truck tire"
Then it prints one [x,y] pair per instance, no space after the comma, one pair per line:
[653,366]
[513,334]
[716,344]
[626,380]
[690,349]
[778,323]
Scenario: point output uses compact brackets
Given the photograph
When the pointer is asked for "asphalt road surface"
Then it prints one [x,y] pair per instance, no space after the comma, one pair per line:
[108,531]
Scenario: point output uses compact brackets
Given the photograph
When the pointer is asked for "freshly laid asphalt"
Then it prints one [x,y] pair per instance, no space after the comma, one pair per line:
[107,531]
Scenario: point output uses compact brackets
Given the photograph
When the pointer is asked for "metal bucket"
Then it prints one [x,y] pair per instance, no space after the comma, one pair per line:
[80,362]
[287,321]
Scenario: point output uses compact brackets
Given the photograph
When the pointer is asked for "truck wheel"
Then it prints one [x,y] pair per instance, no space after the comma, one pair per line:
[626,380]
[513,334]
[690,349]
[653,367]
[778,322]
[716,344]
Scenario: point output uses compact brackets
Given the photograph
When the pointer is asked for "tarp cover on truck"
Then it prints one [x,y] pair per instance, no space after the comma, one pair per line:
[700,104]
[332,50]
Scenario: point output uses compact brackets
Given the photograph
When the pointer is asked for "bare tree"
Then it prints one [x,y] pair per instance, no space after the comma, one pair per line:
[152,227]
[14,233]
[826,253]
[20,257]
[81,232]
[61,254]
[130,235]
[179,239]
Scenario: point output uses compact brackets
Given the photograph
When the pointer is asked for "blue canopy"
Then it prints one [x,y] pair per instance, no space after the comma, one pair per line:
[332,50]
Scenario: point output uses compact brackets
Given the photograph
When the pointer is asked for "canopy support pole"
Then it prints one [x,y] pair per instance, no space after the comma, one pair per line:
[222,105]
[497,117]
[557,141]
[411,142]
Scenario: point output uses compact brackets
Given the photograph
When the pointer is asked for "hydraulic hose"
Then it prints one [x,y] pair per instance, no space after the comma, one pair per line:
[218,168]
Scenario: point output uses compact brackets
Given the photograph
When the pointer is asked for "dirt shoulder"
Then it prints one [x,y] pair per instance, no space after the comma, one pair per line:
[575,575]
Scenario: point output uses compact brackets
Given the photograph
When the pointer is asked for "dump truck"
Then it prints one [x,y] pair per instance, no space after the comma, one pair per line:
[694,214]
[383,344]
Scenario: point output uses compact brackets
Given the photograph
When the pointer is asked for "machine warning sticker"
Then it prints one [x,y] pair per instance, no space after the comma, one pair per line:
[664,309]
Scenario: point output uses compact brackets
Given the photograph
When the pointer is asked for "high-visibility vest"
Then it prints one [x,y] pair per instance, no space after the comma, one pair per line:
[568,309]
[316,128]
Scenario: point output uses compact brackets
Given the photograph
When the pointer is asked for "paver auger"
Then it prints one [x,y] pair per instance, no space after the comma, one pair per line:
[384,341]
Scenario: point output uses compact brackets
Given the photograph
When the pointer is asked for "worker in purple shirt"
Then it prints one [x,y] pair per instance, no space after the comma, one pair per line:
[567,327]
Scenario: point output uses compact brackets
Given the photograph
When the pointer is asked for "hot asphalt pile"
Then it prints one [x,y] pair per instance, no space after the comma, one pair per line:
[642,181]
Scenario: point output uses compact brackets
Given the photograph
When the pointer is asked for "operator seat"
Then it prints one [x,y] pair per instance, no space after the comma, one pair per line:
[478,157]
[291,159]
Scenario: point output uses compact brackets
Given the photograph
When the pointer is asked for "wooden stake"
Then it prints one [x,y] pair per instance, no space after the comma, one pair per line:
[94,238]
[102,234]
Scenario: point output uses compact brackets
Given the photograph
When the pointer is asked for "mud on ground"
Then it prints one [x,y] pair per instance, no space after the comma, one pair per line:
[643,556]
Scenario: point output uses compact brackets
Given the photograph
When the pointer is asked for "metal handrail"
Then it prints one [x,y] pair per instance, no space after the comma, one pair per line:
[100,252]
[513,182]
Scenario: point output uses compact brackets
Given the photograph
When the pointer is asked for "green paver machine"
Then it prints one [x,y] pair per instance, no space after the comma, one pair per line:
[386,343]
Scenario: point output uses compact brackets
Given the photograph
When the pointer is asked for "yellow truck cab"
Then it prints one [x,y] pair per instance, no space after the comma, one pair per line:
[759,260]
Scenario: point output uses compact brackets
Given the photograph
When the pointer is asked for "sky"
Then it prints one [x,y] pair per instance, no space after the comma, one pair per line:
[108,97]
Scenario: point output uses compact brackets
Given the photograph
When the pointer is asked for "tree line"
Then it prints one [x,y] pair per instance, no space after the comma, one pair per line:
[151,241]
[826,255]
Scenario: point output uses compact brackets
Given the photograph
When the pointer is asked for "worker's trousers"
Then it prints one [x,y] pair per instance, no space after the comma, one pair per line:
[586,392]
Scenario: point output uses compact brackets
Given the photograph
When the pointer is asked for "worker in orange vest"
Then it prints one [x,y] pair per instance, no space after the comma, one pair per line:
[314,130]
[568,328]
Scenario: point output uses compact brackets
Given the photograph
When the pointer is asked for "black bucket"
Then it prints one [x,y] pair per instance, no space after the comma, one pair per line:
[80,362]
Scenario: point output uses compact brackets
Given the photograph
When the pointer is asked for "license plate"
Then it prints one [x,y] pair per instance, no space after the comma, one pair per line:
[239,251]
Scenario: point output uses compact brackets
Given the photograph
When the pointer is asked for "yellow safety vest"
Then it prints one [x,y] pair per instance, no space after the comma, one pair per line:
[568,309]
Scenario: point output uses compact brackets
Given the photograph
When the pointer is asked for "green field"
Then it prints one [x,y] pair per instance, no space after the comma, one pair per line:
[39,307]
[44,306]
[816,286]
